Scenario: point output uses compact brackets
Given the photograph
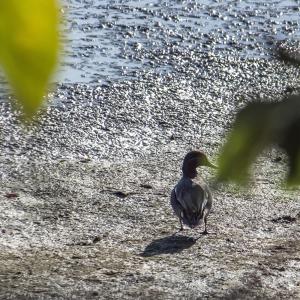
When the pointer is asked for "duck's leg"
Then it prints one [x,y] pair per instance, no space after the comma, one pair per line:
[205,226]
[181,226]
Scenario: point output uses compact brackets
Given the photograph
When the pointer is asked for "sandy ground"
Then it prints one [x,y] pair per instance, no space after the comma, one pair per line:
[87,229]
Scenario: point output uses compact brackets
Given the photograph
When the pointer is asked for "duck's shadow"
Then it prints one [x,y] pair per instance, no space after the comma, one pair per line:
[169,245]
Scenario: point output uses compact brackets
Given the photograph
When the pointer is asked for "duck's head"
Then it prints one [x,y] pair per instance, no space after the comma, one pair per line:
[193,160]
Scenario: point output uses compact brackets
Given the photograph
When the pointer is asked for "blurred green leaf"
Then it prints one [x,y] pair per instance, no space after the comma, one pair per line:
[257,126]
[29,45]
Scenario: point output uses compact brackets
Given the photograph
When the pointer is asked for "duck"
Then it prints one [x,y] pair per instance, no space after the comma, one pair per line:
[191,198]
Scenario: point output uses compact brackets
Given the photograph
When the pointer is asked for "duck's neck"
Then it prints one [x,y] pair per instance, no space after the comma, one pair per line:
[190,175]
[189,169]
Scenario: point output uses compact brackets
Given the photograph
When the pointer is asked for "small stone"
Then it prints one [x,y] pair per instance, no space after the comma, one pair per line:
[96,239]
[120,194]
[278,159]
[289,89]
[85,160]
[110,272]
[284,219]
[146,186]
[11,195]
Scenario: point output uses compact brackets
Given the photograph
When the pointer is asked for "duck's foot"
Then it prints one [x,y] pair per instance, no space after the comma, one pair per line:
[178,231]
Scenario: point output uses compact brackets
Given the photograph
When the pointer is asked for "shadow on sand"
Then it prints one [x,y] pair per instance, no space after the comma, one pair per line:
[168,245]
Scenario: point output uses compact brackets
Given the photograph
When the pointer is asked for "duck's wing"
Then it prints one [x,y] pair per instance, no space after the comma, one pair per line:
[208,200]
[177,207]
[191,196]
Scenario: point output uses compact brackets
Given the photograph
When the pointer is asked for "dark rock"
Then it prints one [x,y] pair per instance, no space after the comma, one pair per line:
[11,195]
[284,219]
[146,186]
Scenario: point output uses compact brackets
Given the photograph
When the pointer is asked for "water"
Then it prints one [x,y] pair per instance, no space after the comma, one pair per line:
[109,40]
[143,78]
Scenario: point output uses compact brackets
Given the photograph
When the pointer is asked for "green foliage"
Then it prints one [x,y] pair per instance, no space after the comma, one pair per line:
[29,45]
[256,127]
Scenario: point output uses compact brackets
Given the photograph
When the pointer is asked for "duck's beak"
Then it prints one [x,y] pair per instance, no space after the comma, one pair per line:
[209,164]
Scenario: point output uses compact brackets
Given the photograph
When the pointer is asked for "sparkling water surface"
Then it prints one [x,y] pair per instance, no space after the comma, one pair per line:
[110,40]
[140,78]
